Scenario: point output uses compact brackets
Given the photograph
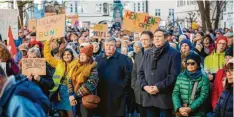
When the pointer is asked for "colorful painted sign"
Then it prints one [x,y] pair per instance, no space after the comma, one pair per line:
[138,22]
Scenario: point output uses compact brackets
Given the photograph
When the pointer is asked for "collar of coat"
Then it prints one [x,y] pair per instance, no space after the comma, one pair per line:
[115,55]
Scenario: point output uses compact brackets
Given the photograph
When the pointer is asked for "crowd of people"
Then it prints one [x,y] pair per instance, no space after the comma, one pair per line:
[146,74]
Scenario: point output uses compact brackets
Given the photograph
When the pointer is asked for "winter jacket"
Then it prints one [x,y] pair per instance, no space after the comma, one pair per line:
[183,90]
[18,42]
[163,77]
[22,98]
[217,88]
[224,107]
[135,81]
[114,74]
[214,62]
[59,66]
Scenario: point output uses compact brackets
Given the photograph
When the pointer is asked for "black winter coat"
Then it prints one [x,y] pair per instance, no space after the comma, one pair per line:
[164,77]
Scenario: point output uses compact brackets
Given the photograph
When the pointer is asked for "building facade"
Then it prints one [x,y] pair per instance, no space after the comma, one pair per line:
[94,12]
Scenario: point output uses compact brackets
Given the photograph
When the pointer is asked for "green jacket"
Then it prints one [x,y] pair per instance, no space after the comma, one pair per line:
[183,90]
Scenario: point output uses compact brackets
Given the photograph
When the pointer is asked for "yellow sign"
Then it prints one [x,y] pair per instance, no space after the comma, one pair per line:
[32,23]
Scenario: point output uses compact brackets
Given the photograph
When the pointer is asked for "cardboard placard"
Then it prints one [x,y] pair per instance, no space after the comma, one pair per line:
[100,30]
[33,66]
[32,23]
[72,19]
[51,26]
[8,17]
[138,22]
[100,27]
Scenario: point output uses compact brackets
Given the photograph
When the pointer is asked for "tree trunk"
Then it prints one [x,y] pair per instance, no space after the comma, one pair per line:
[205,14]
[218,12]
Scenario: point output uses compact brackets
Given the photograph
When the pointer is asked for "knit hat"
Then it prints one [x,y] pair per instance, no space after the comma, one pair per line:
[187,42]
[220,38]
[87,50]
[229,51]
[194,57]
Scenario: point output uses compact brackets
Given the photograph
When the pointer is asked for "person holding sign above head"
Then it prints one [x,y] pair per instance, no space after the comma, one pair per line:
[5,58]
[60,96]
[45,82]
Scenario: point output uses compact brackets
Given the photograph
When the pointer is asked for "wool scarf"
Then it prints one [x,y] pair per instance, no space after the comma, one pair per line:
[80,74]
[156,54]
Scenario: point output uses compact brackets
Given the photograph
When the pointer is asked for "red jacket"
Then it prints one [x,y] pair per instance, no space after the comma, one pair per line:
[217,87]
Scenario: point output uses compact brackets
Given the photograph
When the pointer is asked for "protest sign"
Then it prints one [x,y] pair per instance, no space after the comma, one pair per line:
[51,26]
[8,17]
[138,22]
[72,19]
[32,23]
[33,66]
[100,30]
[3,65]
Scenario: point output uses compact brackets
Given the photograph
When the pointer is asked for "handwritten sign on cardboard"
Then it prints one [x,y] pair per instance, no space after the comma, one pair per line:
[32,23]
[100,30]
[51,26]
[138,22]
[33,66]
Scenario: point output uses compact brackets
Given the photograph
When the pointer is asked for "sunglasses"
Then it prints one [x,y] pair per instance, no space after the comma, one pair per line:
[190,63]
[218,33]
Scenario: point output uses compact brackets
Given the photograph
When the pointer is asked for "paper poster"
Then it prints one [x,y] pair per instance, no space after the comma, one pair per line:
[8,17]
[138,22]
[51,26]
[33,66]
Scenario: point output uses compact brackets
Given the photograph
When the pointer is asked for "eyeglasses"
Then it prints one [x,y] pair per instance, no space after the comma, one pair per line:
[222,43]
[229,70]
[190,63]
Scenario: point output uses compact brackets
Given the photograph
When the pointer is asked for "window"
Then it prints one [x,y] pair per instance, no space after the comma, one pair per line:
[134,7]
[111,8]
[106,9]
[157,12]
[139,7]
[171,12]
[178,3]
[98,8]
[224,8]
[143,6]
[188,2]
[71,9]
[181,3]
[76,7]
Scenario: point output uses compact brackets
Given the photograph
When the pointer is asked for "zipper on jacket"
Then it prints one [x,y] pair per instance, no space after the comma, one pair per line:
[224,110]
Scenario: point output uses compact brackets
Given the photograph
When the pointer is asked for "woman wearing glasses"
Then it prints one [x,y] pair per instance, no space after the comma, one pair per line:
[224,107]
[191,89]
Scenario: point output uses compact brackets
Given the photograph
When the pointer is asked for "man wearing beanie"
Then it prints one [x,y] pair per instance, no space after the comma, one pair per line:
[215,60]
[220,79]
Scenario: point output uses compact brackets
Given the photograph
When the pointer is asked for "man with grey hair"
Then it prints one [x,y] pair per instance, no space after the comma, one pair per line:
[114,70]
[20,97]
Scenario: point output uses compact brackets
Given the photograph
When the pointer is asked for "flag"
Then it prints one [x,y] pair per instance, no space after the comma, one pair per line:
[11,43]
[180,30]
